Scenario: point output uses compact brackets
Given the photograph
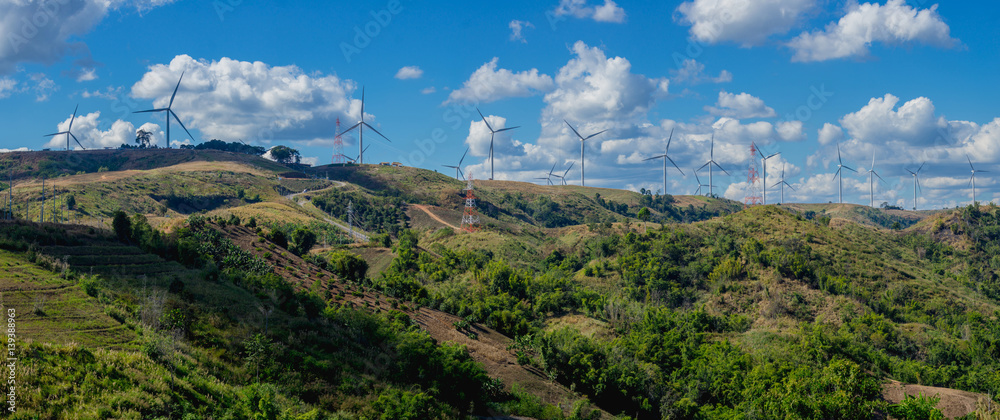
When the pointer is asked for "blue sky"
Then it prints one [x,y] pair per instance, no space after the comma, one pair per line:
[905,80]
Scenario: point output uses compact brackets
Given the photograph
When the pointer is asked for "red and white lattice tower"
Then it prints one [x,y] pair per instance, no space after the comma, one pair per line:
[754,183]
[470,219]
[338,147]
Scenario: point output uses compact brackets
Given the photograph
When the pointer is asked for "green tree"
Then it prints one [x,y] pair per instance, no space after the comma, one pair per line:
[644,216]
[348,266]
[302,241]
[71,202]
[143,138]
[122,226]
[285,154]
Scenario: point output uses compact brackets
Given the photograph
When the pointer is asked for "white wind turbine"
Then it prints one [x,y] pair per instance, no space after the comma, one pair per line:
[361,130]
[840,168]
[871,180]
[69,131]
[665,158]
[972,181]
[710,163]
[170,112]
[916,183]
[492,133]
[783,184]
[582,141]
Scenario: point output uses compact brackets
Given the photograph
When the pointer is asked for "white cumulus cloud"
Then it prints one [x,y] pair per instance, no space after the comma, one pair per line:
[409,72]
[489,84]
[865,24]
[743,105]
[517,28]
[745,22]
[253,101]
[607,12]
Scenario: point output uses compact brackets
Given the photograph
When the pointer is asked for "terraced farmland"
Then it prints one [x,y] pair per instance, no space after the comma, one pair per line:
[51,309]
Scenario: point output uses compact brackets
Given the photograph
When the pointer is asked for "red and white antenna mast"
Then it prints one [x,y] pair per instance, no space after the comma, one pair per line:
[470,219]
[753,193]
[338,147]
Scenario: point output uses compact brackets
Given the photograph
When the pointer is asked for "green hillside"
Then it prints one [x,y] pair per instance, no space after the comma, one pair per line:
[210,288]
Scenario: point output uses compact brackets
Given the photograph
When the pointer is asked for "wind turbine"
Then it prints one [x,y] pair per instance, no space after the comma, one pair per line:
[973,180]
[583,139]
[361,130]
[458,169]
[699,183]
[665,159]
[69,131]
[764,159]
[840,167]
[711,161]
[550,175]
[356,160]
[871,180]
[916,183]
[492,133]
[563,176]
[783,184]
[170,112]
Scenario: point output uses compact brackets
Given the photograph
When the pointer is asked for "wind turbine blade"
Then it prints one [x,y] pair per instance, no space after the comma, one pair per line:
[919,188]
[790,186]
[73,118]
[366,148]
[463,156]
[839,159]
[461,173]
[836,174]
[567,169]
[980,170]
[151,110]
[772,155]
[595,134]
[376,132]
[879,176]
[873,160]
[675,165]
[449,166]
[349,129]
[553,168]
[655,157]
[484,120]
[55,134]
[970,162]
[362,104]
[702,166]
[175,91]
[720,168]
[77,141]
[667,150]
[911,172]
[574,130]
[850,168]
[178,119]
[505,129]
[921,167]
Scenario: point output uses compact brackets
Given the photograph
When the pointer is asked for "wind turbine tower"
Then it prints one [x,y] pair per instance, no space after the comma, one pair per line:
[170,112]
[871,180]
[764,162]
[492,134]
[665,158]
[69,131]
[583,140]
[972,181]
[916,183]
[840,168]
[711,162]
[783,184]
[361,130]
[458,168]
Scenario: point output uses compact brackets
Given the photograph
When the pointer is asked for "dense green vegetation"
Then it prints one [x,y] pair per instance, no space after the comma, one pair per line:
[712,312]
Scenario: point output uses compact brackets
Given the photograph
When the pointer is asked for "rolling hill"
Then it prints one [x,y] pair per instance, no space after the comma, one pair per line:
[226,285]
